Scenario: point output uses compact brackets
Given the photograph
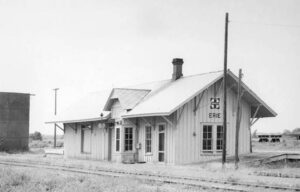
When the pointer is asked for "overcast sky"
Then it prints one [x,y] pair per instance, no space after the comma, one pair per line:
[82,46]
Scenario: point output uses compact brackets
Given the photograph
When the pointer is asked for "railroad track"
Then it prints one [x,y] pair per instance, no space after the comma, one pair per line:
[203,183]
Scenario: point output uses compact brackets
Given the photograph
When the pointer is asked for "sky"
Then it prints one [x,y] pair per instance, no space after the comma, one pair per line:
[82,46]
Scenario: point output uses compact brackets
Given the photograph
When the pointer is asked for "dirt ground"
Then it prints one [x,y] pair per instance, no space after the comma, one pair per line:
[33,180]
[286,145]
[249,171]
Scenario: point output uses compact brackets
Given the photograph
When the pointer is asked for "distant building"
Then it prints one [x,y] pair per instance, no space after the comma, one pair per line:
[269,137]
[173,121]
[14,121]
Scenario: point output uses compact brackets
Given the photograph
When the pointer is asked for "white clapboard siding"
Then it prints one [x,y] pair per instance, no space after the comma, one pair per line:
[189,127]
[98,142]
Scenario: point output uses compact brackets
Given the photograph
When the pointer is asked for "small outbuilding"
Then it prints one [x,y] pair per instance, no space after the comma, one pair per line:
[14,121]
[173,121]
[269,137]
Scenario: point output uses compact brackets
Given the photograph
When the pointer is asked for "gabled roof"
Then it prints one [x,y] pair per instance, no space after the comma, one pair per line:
[174,94]
[252,99]
[128,97]
[160,98]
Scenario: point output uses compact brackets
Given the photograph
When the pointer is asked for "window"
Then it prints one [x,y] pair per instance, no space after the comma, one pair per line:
[212,138]
[161,128]
[118,139]
[207,138]
[86,134]
[128,139]
[148,139]
[219,137]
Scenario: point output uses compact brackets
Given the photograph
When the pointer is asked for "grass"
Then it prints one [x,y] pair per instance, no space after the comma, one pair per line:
[285,144]
[33,180]
[24,179]
[47,142]
[56,181]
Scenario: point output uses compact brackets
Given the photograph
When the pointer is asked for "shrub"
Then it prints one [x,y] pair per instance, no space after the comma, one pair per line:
[286,132]
[36,136]
[296,130]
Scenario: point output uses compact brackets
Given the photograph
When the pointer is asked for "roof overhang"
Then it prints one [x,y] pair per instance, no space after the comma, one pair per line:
[100,119]
[146,115]
[252,99]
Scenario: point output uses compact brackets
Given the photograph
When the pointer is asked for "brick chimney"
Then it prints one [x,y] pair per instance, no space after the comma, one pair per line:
[177,68]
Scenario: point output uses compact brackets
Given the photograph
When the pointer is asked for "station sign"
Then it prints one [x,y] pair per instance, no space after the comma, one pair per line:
[214,104]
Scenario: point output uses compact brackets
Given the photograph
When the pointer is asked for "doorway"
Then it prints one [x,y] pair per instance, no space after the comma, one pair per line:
[161,142]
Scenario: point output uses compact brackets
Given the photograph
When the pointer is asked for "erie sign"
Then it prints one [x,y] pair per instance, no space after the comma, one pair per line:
[214,115]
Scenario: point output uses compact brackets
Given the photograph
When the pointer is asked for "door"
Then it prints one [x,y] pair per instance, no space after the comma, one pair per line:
[161,143]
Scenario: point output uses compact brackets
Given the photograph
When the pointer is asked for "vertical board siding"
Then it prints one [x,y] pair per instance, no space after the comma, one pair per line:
[189,127]
[116,110]
[183,138]
[98,142]
[169,140]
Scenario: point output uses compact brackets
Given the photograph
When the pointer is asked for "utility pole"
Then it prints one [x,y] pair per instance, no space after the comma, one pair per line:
[238,121]
[55,111]
[225,94]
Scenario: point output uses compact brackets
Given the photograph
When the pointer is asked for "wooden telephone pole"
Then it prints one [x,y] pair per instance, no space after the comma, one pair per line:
[225,93]
[55,111]
[238,120]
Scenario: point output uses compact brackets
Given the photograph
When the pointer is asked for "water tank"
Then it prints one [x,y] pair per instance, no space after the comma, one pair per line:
[14,121]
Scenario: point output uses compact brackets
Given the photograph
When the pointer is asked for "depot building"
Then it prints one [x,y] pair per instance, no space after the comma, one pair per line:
[174,121]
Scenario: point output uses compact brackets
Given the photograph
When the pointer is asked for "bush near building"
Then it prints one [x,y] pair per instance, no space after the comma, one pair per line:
[36,136]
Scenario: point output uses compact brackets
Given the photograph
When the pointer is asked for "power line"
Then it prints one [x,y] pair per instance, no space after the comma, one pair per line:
[265,24]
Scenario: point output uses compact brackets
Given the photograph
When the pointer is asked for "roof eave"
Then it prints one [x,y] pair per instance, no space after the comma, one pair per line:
[79,120]
[107,106]
[146,115]
[254,95]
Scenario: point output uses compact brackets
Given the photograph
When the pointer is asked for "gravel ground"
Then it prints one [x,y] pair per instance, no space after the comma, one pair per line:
[19,179]
[211,170]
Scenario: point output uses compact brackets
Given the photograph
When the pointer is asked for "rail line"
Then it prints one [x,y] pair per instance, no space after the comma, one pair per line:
[202,183]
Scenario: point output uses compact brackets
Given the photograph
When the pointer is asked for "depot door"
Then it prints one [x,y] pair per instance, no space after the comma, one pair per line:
[161,143]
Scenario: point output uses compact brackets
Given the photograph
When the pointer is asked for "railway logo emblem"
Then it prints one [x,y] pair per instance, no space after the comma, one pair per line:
[214,103]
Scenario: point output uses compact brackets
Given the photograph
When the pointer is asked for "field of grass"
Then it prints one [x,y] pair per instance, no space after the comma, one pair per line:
[266,175]
[284,145]
[46,142]
[34,180]
[30,179]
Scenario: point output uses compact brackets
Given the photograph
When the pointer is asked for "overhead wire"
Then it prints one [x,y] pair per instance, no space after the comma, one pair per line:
[265,24]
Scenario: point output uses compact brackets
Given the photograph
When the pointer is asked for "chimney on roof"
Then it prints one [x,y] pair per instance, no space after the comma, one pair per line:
[177,68]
